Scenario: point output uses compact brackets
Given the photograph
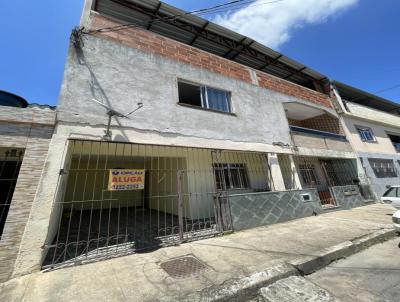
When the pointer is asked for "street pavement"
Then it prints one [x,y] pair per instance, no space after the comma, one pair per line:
[247,259]
[372,275]
[369,276]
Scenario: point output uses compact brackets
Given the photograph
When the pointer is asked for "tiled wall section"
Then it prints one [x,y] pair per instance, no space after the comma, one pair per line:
[258,209]
[348,196]
[150,42]
[33,134]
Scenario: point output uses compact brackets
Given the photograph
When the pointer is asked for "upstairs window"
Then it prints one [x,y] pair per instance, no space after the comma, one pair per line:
[383,168]
[204,97]
[366,134]
[395,139]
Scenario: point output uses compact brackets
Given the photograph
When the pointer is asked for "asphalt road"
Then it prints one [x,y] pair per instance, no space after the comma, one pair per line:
[372,275]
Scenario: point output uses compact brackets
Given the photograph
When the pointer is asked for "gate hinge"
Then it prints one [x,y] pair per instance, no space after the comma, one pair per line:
[62,172]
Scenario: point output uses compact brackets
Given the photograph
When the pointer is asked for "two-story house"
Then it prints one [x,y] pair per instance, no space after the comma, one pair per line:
[171,128]
[373,129]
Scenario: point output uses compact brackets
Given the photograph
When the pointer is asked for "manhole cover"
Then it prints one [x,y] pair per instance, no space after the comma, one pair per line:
[183,267]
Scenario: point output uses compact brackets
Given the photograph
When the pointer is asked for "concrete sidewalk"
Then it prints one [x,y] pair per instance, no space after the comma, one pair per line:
[244,259]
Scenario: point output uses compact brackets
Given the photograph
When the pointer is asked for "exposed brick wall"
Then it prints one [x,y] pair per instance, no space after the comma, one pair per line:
[34,139]
[267,81]
[153,43]
[324,122]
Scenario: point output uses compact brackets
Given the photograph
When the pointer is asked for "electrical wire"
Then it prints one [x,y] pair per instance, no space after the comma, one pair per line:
[387,89]
[232,5]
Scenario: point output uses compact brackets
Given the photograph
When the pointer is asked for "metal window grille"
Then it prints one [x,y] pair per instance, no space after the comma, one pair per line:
[307,172]
[10,163]
[234,175]
[185,197]
[383,168]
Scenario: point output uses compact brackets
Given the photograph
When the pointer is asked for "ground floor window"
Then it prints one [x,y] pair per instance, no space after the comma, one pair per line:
[231,176]
[383,168]
[308,174]
[10,164]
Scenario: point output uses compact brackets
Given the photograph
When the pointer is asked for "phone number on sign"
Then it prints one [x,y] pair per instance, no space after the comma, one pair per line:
[127,187]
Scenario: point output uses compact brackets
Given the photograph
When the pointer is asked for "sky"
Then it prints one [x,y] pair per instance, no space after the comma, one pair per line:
[353,41]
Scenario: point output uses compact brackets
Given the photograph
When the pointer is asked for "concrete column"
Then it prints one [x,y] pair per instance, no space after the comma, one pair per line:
[296,177]
[276,173]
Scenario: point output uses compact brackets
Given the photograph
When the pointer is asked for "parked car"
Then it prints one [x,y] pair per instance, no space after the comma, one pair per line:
[396,221]
[392,196]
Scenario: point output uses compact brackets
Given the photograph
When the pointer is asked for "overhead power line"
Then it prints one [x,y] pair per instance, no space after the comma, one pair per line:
[232,5]
[387,89]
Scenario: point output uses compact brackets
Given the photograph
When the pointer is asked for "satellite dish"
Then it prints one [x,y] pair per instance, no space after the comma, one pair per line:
[112,112]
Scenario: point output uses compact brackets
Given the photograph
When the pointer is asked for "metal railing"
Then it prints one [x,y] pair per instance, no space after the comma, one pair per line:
[319,133]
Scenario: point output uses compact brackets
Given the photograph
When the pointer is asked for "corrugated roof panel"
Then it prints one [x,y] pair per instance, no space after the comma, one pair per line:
[121,13]
[246,60]
[171,32]
[211,47]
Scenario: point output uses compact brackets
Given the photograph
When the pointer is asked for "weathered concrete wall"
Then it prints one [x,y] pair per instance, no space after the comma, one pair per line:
[258,209]
[126,76]
[30,129]
[374,115]
[383,143]
[317,142]
[379,184]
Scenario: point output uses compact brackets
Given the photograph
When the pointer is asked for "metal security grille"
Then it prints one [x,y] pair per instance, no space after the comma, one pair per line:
[383,168]
[185,197]
[10,164]
[322,174]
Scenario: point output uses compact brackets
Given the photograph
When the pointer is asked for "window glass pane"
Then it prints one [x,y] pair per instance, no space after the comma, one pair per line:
[218,99]
[366,134]
[390,193]
[189,94]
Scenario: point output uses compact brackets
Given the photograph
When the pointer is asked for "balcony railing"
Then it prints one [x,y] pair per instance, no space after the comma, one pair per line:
[318,133]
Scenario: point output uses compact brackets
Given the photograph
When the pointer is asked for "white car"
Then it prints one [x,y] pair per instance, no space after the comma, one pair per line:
[392,196]
[396,221]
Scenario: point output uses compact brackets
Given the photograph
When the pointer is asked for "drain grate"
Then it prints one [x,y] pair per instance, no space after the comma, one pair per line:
[183,267]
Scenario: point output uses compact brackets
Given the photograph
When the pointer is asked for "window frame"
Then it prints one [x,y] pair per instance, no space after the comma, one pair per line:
[312,174]
[226,169]
[362,129]
[205,105]
[388,134]
[380,174]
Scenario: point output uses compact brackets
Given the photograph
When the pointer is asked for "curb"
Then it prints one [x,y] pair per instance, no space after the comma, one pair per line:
[244,289]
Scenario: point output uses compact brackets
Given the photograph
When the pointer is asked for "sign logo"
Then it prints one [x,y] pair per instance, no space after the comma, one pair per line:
[126,179]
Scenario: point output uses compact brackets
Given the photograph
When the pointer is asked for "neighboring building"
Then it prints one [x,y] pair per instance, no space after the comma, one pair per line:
[232,135]
[25,134]
[373,126]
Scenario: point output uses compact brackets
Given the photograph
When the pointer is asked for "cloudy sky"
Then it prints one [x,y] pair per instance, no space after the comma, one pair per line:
[353,41]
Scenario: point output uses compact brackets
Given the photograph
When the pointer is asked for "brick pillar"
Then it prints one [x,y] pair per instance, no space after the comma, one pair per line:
[37,145]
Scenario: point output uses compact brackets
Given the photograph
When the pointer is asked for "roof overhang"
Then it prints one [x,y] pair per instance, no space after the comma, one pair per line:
[355,95]
[208,36]
[299,111]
